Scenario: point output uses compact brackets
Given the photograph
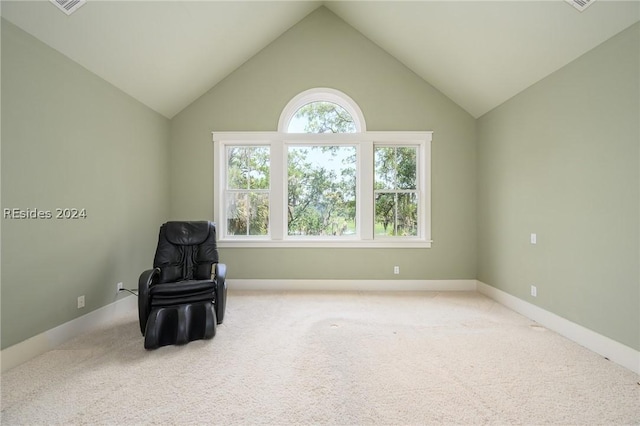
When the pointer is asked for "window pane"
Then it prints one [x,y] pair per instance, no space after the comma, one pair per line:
[321,190]
[395,167]
[248,167]
[247,213]
[396,214]
[406,167]
[407,218]
[385,168]
[385,214]
[322,117]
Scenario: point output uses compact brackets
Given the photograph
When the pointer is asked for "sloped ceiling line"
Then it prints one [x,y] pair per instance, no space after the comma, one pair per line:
[167,54]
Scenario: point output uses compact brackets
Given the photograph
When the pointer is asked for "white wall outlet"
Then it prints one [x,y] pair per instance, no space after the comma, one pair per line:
[534,239]
[81,302]
[119,287]
[396,270]
[534,291]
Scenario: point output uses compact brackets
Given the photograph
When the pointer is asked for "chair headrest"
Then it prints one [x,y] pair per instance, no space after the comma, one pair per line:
[187,233]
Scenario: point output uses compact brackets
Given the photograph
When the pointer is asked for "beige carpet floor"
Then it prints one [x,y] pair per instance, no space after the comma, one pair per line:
[330,358]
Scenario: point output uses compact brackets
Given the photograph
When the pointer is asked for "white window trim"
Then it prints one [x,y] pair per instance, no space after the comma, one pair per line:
[322,94]
[364,141]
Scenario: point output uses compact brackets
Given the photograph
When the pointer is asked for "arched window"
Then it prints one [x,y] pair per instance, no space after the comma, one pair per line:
[323,180]
[322,110]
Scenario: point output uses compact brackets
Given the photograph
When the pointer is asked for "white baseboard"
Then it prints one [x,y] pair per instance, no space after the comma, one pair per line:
[351,285]
[602,345]
[50,339]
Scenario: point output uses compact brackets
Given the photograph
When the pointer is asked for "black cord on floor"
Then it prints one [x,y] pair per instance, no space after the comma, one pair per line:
[130,291]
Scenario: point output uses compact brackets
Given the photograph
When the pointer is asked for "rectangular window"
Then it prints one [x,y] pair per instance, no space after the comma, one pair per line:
[247,190]
[396,191]
[321,190]
[369,189]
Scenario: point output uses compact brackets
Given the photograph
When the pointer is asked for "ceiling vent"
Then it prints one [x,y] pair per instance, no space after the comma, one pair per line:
[68,6]
[581,5]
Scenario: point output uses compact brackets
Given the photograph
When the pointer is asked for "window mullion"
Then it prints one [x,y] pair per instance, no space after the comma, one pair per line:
[277,218]
[365,196]
[424,188]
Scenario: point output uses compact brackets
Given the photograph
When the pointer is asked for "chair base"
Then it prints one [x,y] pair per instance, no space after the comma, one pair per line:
[181,324]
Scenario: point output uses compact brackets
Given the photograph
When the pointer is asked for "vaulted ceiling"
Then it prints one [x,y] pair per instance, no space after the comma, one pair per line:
[168,53]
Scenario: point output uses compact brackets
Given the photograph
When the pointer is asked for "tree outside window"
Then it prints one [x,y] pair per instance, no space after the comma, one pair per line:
[321,190]
[321,179]
[322,117]
[247,200]
[396,191]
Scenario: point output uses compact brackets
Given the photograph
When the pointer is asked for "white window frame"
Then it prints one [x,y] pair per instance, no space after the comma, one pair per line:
[365,210]
[322,94]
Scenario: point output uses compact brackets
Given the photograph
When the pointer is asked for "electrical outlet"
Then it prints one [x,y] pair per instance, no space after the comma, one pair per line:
[534,291]
[119,287]
[396,270]
[534,239]
[81,302]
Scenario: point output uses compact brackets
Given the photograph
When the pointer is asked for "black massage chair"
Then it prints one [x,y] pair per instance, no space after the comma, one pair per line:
[183,297]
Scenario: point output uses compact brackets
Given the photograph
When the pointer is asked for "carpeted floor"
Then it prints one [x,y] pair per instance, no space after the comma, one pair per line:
[330,358]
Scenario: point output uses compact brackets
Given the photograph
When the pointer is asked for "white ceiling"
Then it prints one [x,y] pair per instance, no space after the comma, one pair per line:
[168,53]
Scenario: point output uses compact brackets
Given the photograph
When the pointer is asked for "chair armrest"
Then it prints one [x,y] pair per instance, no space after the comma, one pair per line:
[220,270]
[147,278]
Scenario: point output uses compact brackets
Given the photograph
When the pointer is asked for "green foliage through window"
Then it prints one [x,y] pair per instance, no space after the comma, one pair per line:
[396,195]
[321,190]
[247,195]
[322,117]
[326,188]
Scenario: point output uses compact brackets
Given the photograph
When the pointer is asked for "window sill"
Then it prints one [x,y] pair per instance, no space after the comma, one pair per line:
[413,244]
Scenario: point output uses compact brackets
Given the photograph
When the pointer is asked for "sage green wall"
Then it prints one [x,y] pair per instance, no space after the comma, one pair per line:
[70,139]
[561,159]
[324,51]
